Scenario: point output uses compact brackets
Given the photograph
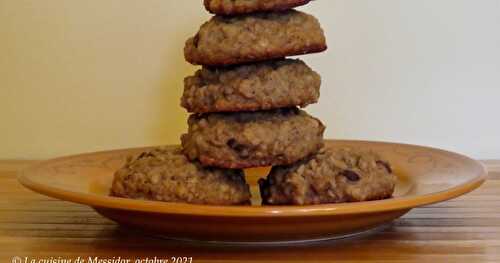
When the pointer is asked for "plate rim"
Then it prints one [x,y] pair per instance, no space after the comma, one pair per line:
[397,203]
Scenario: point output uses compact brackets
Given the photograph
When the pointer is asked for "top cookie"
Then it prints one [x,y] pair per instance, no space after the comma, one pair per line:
[238,7]
[255,37]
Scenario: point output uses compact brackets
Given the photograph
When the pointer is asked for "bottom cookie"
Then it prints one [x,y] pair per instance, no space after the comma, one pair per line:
[330,176]
[165,174]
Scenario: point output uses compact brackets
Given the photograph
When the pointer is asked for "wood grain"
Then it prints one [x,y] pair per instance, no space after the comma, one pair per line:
[466,229]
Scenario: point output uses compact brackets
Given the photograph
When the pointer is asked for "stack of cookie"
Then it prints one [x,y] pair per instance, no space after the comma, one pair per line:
[244,104]
[245,96]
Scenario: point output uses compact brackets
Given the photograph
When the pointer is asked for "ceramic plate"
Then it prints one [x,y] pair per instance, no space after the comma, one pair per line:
[425,176]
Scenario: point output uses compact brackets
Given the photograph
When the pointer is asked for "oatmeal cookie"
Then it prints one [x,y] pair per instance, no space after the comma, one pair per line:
[238,7]
[331,176]
[251,87]
[252,139]
[254,37]
[165,174]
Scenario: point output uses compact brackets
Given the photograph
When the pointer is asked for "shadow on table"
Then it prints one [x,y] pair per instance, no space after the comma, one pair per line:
[135,244]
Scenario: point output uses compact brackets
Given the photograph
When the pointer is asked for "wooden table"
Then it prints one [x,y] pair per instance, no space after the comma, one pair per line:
[466,229]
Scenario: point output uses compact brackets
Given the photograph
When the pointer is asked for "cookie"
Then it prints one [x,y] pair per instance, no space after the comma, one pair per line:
[165,174]
[331,176]
[252,139]
[251,87]
[254,37]
[238,7]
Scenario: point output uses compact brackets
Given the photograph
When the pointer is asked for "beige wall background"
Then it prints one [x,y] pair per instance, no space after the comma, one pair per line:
[79,76]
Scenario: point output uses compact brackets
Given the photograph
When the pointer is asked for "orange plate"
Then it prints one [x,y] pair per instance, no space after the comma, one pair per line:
[425,176]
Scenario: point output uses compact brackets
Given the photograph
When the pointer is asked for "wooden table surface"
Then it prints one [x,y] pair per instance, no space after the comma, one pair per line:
[36,227]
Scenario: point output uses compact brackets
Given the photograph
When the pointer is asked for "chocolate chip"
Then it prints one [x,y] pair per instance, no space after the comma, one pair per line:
[350,175]
[231,143]
[241,149]
[386,165]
